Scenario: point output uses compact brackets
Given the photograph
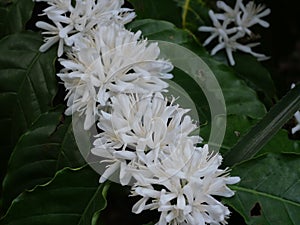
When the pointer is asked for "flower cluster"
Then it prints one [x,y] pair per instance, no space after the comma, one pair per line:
[69,22]
[115,80]
[140,130]
[187,179]
[233,26]
[97,70]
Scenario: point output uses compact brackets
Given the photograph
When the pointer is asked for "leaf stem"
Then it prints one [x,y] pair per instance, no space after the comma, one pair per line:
[184,13]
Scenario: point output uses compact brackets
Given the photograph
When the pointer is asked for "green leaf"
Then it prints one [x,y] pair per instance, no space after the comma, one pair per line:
[255,74]
[236,126]
[269,191]
[48,146]
[14,15]
[27,84]
[157,9]
[161,30]
[280,143]
[27,87]
[195,93]
[72,197]
[240,99]
[259,135]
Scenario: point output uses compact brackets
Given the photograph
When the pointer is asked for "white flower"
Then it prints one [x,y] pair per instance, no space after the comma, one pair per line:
[189,179]
[97,69]
[73,22]
[82,92]
[62,6]
[218,30]
[252,15]
[243,16]
[142,129]
[52,36]
[231,45]
[297,127]
[229,13]
[231,26]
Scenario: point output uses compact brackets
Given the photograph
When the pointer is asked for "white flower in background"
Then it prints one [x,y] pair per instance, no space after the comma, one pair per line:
[188,180]
[230,14]
[96,69]
[74,21]
[231,45]
[252,14]
[297,118]
[297,127]
[218,30]
[141,129]
[233,25]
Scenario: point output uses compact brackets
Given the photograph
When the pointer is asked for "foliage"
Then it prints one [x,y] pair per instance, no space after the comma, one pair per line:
[44,177]
[257,199]
[65,199]
[14,15]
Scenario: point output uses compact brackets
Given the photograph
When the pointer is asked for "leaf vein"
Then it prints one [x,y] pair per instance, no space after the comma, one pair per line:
[256,192]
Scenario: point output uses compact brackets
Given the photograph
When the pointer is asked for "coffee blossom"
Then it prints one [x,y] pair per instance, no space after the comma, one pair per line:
[139,130]
[115,79]
[183,187]
[232,26]
[69,22]
[112,60]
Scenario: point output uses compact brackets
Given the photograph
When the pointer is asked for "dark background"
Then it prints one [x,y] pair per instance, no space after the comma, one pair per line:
[282,43]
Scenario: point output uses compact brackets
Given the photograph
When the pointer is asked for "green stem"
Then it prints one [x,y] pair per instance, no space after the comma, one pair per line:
[184,13]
